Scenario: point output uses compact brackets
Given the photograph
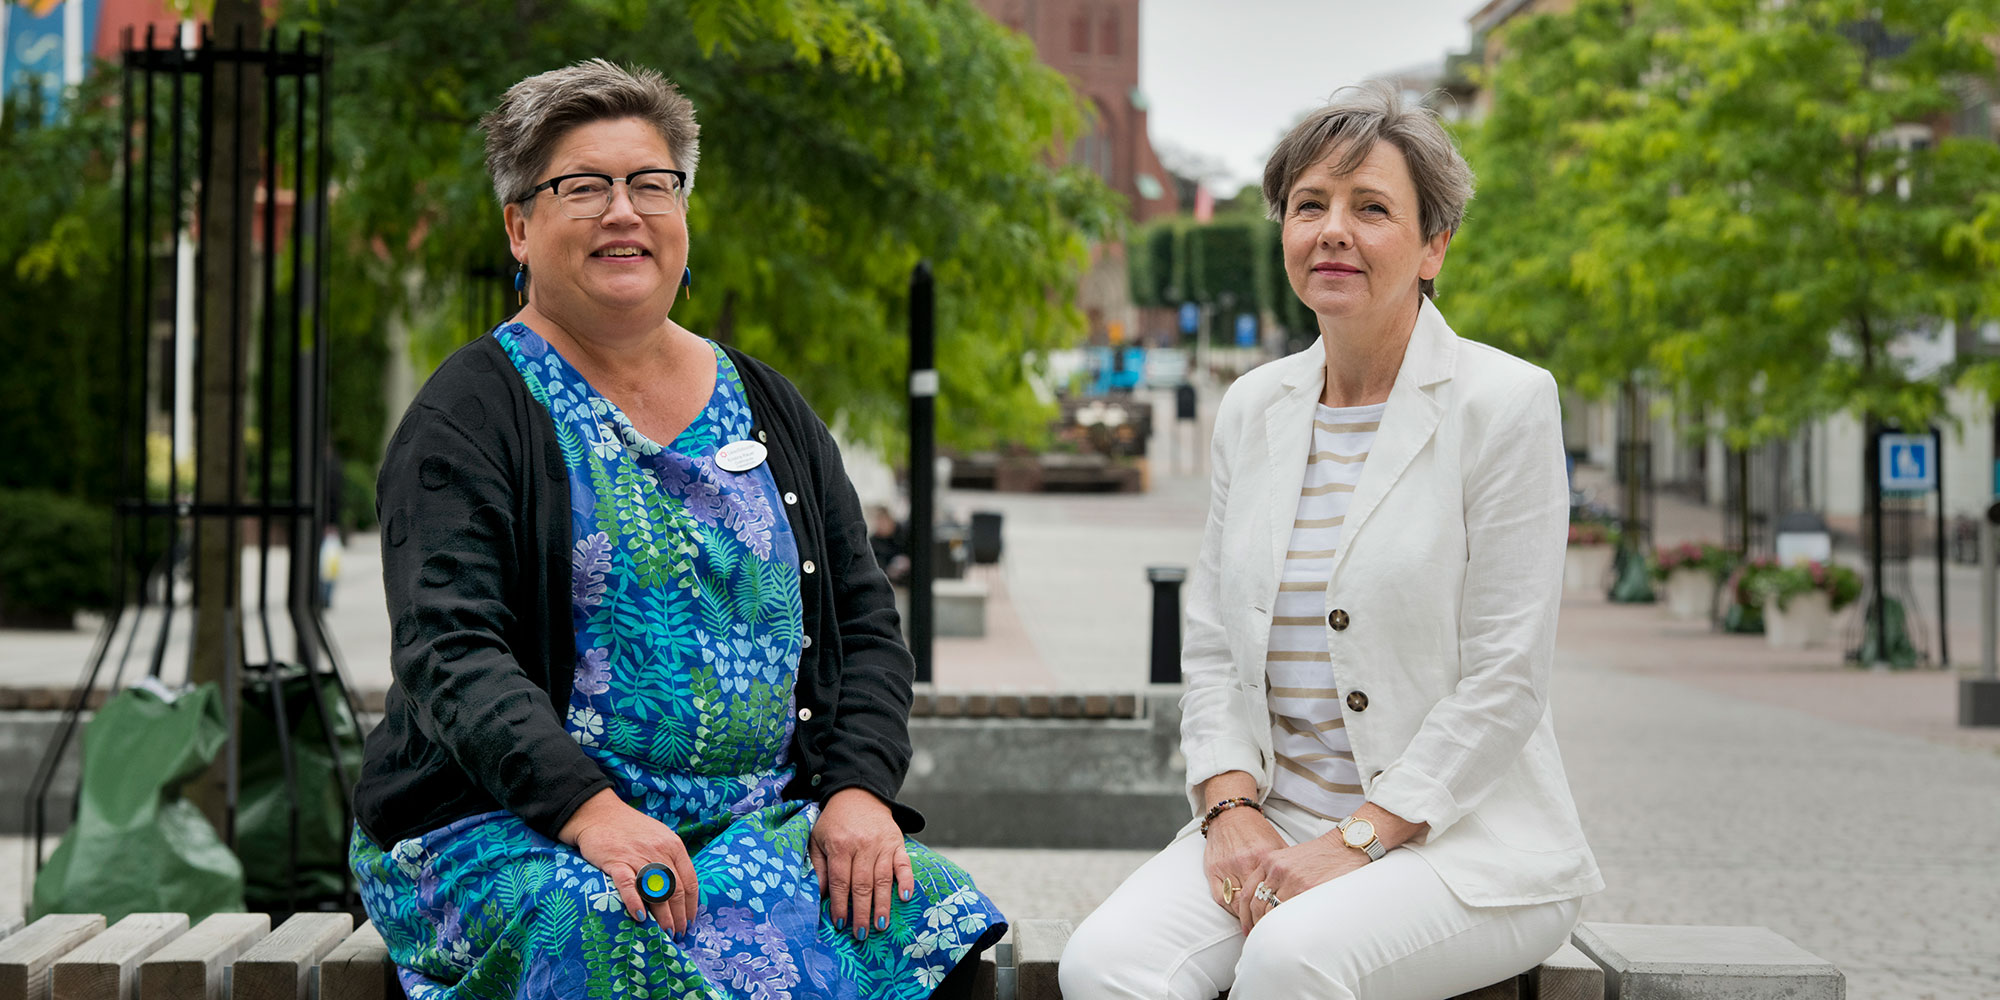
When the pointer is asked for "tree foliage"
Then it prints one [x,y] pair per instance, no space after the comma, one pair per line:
[58,284]
[842,141]
[1724,196]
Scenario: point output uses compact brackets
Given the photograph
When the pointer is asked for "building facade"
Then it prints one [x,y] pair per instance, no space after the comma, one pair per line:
[1095,44]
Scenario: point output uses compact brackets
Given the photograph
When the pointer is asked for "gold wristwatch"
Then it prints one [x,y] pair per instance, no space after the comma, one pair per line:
[1360,835]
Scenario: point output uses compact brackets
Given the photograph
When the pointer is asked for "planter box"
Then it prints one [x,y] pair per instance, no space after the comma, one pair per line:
[1807,621]
[1586,568]
[1690,594]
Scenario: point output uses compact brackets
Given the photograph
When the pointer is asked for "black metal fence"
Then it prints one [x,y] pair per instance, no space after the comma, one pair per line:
[263,310]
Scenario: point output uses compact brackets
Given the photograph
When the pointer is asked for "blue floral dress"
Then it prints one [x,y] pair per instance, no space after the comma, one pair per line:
[685,600]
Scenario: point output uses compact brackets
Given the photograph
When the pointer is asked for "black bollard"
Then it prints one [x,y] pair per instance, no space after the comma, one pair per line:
[923,468]
[1166,581]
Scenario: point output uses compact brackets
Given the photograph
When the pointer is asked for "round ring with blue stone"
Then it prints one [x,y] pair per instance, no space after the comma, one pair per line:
[656,883]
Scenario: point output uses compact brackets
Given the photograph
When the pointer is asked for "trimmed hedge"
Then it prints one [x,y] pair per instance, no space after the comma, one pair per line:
[57,559]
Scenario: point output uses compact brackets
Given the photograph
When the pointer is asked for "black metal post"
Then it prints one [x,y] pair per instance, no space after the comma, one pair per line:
[1166,664]
[923,465]
[1944,637]
[1878,609]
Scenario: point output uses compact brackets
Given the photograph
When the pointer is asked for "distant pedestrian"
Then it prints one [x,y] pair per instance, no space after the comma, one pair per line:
[889,539]
[637,625]
[1372,765]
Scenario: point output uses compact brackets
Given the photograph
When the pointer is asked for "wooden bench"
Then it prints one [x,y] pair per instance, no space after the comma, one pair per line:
[239,956]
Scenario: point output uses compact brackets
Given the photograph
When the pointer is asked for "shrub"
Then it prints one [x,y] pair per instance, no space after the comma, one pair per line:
[1703,556]
[1592,533]
[1772,582]
[57,558]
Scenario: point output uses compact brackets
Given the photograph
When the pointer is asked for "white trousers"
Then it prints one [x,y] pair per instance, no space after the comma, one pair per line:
[1390,930]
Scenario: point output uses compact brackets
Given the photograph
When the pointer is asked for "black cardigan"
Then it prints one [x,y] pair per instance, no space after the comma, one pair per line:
[474,503]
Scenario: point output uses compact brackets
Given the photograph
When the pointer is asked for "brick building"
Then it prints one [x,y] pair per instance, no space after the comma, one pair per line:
[1095,43]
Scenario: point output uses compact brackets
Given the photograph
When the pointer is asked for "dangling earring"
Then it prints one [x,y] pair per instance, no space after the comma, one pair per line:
[687,281]
[521,285]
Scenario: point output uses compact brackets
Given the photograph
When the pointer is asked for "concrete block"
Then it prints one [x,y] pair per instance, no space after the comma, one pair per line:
[959,608]
[1569,974]
[1038,947]
[1059,783]
[1673,962]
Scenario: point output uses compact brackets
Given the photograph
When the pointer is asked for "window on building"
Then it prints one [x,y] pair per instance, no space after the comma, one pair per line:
[1108,38]
[1079,33]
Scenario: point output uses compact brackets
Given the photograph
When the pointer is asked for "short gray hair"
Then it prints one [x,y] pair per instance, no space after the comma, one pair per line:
[1354,121]
[522,132]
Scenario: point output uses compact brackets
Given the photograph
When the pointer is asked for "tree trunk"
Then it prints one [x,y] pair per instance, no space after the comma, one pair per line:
[228,185]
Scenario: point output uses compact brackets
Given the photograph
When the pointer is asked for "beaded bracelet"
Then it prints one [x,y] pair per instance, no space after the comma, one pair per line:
[1224,806]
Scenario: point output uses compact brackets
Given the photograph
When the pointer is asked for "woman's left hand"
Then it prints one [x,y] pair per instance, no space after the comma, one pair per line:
[1295,869]
[857,850]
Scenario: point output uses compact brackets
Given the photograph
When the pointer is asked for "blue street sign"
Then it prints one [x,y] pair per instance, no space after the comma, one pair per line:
[1246,330]
[1190,317]
[1909,463]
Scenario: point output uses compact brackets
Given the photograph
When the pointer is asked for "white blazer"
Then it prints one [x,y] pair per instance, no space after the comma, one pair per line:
[1450,572]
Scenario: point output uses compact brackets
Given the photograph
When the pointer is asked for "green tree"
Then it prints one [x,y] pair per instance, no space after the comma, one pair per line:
[1722,193]
[842,141]
[58,272]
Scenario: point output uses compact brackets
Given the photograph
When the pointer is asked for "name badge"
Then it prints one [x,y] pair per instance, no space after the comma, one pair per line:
[741,456]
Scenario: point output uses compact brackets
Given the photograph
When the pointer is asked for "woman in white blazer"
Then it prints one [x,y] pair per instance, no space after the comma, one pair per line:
[1380,809]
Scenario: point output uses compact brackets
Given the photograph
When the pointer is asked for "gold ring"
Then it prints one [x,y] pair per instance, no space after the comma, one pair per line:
[1229,890]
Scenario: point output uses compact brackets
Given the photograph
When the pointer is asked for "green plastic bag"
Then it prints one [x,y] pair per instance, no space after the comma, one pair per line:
[1634,579]
[263,819]
[137,846]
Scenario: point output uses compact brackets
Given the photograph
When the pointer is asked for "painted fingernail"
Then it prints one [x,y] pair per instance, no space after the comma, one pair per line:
[863,936]
[906,894]
[840,922]
[881,923]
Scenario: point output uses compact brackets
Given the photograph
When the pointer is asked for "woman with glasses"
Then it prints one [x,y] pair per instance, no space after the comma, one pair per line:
[650,710]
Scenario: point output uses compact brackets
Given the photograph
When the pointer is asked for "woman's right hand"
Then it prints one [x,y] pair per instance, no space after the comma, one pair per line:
[620,840]
[1238,842]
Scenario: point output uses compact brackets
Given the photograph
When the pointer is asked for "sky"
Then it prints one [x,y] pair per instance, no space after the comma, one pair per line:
[1225,78]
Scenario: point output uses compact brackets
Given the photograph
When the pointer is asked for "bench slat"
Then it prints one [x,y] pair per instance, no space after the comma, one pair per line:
[278,967]
[1569,974]
[28,958]
[1506,989]
[9,923]
[1038,946]
[108,964]
[360,969]
[191,966]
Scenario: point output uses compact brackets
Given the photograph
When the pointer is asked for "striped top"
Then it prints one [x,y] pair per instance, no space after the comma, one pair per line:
[1315,766]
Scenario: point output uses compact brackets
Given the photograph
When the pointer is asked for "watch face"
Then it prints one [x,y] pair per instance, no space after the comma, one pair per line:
[1357,832]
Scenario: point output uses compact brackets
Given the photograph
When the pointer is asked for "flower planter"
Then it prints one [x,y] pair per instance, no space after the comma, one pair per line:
[1806,621]
[1690,594]
[1586,567]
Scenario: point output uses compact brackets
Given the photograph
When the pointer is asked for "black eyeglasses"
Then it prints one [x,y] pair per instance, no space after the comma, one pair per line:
[586,196]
